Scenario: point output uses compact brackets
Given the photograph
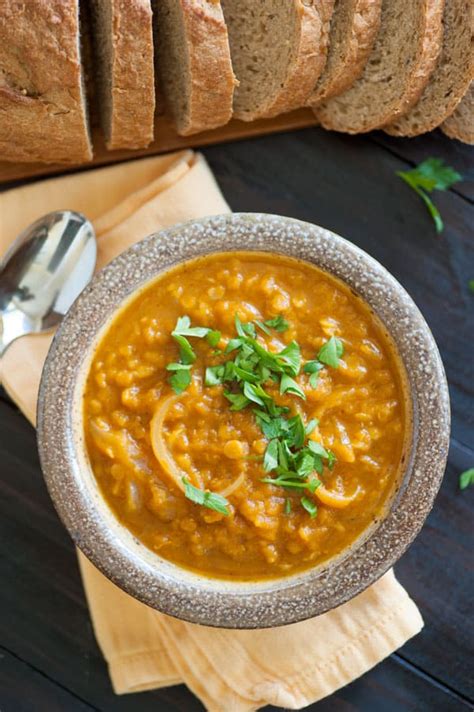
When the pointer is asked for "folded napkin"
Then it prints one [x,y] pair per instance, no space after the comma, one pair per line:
[229,670]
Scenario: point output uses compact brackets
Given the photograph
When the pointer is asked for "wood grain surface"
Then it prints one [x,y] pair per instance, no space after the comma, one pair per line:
[48,656]
[166,139]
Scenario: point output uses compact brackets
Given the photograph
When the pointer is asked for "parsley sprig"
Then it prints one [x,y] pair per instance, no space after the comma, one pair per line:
[181,377]
[430,175]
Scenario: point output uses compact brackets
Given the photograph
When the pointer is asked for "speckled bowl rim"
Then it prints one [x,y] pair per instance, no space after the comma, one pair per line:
[143,574]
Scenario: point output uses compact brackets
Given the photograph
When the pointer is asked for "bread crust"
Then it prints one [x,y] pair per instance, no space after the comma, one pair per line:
[429,111]
[43,116]
[212,80]
[133,76]
[340,74]
[423,65]
[460,124]
[310,53]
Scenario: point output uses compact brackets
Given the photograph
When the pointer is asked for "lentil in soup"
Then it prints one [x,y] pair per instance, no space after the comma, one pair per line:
[245,416]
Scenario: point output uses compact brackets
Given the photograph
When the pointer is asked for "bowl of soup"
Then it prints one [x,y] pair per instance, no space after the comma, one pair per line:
[243,421]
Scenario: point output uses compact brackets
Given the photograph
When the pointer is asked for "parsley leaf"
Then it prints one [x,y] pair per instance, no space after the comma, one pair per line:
[181,331]
[238,400]
[244,330]
[214,375]
[286,481]
[254,392]
[318,449]
[261,325]
[310,506]
[466,478]
[271,427]
[297,432]
[181,378]
[186,352]
[291,358]
[183,328]
[313,368]
[430,175]
[213,337]
[270,459]
[289,385]
[433,173]
[331,352]
[278,323]
[305,465]
[233,345]
[211,500]
[310,426]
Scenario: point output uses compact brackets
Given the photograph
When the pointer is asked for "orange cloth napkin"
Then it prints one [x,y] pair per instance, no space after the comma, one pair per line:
[230,671]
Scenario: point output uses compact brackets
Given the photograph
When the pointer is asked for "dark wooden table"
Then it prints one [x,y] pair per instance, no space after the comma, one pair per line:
[48,656]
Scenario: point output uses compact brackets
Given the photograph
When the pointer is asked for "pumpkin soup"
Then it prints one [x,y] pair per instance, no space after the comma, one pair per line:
[245,416]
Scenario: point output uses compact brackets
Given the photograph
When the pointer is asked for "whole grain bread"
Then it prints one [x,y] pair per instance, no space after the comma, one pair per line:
[451,78]
[354,27]
[460,124]
[193,63]
[278,52]
[43,112]
[400,64]
[123,50]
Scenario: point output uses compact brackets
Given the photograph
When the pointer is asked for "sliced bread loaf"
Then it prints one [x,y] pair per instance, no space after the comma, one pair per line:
[123,50]
[278,52]
[402,59]
[42,98]
[193,63]
[354,26]
[451,78]
[460,124]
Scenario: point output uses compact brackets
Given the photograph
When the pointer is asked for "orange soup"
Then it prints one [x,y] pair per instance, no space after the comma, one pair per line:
[245,416]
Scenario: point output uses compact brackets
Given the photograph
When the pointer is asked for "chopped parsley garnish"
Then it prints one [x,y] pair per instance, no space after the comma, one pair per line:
[291,459]
[313,368]
[213,337]
[430,175]
[287,506]
[183,328]
[289,385]
[278,323]
[310,506]
[211,500]
[466,478]
[330,352]
[181,377]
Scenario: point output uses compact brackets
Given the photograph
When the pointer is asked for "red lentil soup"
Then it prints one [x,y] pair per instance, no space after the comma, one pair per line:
[245,416]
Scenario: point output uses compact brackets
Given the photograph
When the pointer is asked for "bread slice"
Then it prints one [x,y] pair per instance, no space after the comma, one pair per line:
[451,78]
[460,124]
[400,64]
[354,27]
[42,99]
[193,63]
[123,49]
[278,52]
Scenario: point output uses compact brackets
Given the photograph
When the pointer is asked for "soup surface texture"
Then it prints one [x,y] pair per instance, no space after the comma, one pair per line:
[245,416]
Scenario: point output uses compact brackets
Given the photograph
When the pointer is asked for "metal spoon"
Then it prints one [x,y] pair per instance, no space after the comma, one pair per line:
[43,272]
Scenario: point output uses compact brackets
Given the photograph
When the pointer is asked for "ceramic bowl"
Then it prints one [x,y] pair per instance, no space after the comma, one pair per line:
[161,584]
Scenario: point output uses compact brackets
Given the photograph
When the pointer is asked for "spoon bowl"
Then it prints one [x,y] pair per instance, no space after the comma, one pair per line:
[43,273]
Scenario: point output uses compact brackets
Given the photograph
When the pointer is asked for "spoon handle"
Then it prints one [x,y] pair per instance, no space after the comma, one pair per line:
[12,326]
